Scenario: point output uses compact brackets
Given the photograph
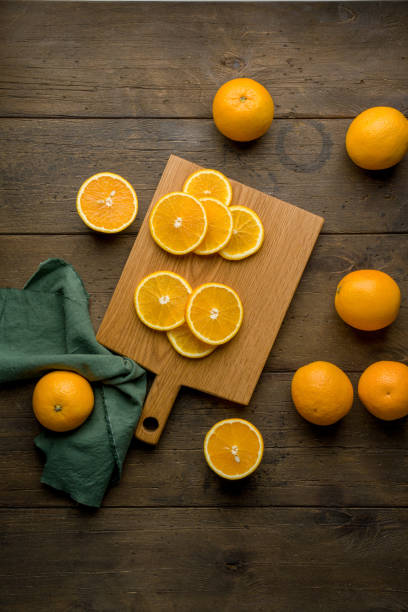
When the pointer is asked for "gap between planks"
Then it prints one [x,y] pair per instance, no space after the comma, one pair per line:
[170,117]
[74,506]
[128,234]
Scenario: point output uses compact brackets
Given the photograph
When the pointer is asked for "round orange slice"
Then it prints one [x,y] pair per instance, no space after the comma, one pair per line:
[209,184]
[187,345]
[178,223]
[214,313]
[233,448]
[247,234]
[219,229]
[106,202]
[160,300]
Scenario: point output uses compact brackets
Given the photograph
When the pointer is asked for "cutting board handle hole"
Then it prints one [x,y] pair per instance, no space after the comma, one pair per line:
[150,423]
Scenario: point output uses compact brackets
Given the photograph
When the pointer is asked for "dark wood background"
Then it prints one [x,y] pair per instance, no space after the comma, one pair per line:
[323,523]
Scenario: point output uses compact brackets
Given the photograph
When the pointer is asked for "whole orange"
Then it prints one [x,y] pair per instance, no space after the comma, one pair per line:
[322,393]
[377,138]
[243,109]
[383,389]
[368,299]
[62,400]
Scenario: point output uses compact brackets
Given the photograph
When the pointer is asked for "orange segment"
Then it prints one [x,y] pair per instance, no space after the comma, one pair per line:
[107,203]
[233,448]
[219,229]
[209,184]
[214,313]
[187,345]
[160,300]
[178,223]
[247,234]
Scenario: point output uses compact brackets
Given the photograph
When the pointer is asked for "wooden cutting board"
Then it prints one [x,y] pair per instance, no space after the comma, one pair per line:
[265,282]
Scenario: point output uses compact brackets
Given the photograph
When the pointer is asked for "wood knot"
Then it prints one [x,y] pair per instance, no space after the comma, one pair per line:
[234,566]
[235,562]
[232,61]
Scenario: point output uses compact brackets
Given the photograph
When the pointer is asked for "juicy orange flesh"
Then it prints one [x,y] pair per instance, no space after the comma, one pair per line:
[208,186]
[215,313]
[245,233]
[107,202]
[164,312]
[179,222]
[232,441]
[219,226]
[188,343]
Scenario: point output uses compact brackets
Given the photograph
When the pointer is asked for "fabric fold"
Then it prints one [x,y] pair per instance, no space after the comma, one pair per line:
[46,326]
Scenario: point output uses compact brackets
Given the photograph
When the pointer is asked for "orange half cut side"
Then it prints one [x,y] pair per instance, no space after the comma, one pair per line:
[107,203]
[233,448]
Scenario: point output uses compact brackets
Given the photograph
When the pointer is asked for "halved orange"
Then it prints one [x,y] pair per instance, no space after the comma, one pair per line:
[107,203]
[247,234]
[187,345]
[178,223]
[233,448]
[209,184]
[219,229]
[160,300]
[214,313]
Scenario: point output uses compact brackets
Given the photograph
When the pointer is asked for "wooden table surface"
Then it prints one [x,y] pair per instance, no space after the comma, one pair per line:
[323,523]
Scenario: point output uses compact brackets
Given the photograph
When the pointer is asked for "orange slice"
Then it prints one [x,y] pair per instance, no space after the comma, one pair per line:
[209,184]
[107,203]
[178,223]
[186,344]
[247,234]
[160,300]
[214,313]
[219,229]
[233,448]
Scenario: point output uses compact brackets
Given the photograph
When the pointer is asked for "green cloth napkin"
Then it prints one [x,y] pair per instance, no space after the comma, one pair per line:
[46,326]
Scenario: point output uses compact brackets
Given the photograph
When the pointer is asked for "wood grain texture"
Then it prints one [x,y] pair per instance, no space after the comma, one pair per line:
[172,536]
[265,282]
[205,559]
[157,406]
[299,161]
[359,462]
[140,59]
[311,329]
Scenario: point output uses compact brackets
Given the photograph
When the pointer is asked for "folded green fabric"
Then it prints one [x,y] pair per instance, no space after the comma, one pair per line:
[46,326]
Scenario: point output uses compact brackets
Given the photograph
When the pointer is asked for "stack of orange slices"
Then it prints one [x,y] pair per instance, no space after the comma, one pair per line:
[200,219]
[196,321]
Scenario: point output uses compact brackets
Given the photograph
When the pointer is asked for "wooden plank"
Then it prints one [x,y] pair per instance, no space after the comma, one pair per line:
[271,409]
[145,59]
[304,162]
[287,477]
[224,559]
[360,462]
[311,329]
